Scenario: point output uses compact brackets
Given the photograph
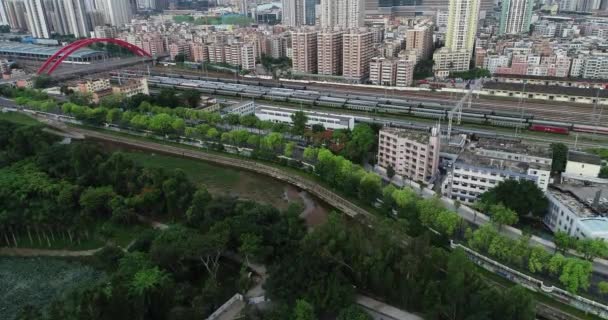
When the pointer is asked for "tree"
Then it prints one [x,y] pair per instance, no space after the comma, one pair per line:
[289,147]
[96,201]
[604,172]
[191,97]
[560,157]
[310,154]
[390,172]
[299,120]
[42,81]
[161,123]
[317,128]
[563,241]
[180,58]
[521,196]
[112,101]
[113,116]
[353,312]
[516,303]
[602,287]
[592,248]
[362,141]
[303,311]
[250,246]
[370,188]
[538,259]
[212,133]
[501,215]
[272,141]
[196,212]
[575,274]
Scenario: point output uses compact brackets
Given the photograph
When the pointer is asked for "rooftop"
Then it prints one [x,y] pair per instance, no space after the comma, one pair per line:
[513,146]
[574,80]
[582,198]
[469,157]
[308,113]
[595,225]
[583,157]
[548,89]
[418,136]
[24,48]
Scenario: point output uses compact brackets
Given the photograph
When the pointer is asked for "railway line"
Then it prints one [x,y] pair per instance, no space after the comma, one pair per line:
[302,95]
[560,112]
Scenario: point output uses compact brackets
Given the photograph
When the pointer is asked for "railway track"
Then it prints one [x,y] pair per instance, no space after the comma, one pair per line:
[558,111]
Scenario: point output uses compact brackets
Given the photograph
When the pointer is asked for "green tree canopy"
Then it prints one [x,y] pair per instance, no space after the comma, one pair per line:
[521,196]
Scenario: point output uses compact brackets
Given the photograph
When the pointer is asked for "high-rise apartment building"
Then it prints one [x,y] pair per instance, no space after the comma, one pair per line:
[310,12]
[515,16]
[38,23]
[304,51]
[391,71]
[293,12]
[116,12]
[463,16]
[421,39]
[15,13]
[357,51]
[342,13]
[330,52]
[413,155]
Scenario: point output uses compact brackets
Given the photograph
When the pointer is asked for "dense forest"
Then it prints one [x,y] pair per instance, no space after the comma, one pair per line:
[49,190]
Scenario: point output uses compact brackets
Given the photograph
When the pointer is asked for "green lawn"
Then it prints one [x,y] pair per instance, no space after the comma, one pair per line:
[18,118]
[219,179]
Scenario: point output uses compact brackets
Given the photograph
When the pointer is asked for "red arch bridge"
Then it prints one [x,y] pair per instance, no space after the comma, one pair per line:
[55,60]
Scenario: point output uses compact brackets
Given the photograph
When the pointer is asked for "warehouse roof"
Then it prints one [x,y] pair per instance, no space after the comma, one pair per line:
[557,90]
[24,48]
[584,157]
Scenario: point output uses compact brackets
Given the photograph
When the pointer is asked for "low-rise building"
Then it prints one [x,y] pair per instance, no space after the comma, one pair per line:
[447,61]
[91,86]
[283,115]
[241,109]
[579,210]
[583,164]
[483,165]
[132,87]
[412,154]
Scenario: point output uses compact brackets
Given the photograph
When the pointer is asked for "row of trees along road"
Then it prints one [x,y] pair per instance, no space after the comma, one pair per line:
[179,273]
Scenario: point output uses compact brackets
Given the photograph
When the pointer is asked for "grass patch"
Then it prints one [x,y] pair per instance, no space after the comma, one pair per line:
[18,118]
[218,179]
[198,172]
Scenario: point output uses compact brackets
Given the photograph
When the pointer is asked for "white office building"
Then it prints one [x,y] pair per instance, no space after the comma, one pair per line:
[583,165]
[488,162]
[283,115]
[578,210]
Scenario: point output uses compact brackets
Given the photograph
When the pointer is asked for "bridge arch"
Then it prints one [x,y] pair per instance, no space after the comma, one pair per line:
[56,59]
